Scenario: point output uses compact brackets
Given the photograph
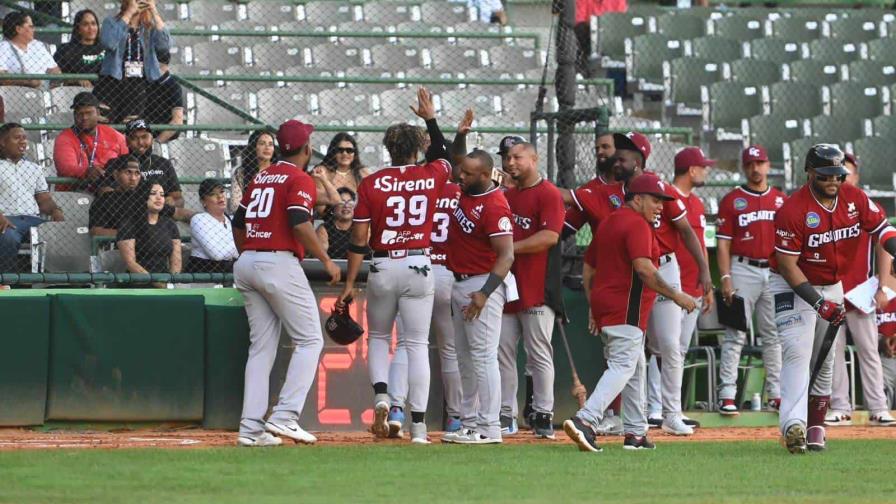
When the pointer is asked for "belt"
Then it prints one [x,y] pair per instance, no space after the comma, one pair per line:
[759,263]
[666,258]
[268,251]
[460,277]
[398,254]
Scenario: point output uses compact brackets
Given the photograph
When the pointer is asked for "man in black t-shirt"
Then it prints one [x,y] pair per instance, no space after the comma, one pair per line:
[112,209]
[164,101]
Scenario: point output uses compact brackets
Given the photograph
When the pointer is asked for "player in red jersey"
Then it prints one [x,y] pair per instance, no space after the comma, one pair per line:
[626,263]
[480,255]
[538,215]
[604,150]
[817,234]
[394,215]
[746,239]
[886,328]
[272,229]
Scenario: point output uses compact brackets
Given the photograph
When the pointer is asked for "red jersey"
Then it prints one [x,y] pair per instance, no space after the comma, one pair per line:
[475,220]
[826,241]
[399,203]
[271,194]
[441,219]
[667,235]
[690,273]
[886,319]
[747,219]
[618,295]
[534,209]
[593,204]
[595,183]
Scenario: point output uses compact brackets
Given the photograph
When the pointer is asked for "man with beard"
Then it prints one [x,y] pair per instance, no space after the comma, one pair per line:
[604,149]
[83,150]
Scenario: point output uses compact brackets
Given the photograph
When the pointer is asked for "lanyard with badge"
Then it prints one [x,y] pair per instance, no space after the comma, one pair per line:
[133,68]
[91,154]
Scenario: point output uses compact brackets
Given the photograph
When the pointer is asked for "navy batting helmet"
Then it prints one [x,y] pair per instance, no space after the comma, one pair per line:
[826,159]
[341,327]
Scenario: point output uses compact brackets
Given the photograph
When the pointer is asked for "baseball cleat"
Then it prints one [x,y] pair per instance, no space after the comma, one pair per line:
[609,426]
[418,433]
[815,439]
[380,427]
[450,437]
[882,419]
[261,440]
[690,422]
[675,425]
[395,421]
[836,418]
[471,437]
[544,427]
[290,430]
[509,426]
[633,442]
[582,434]
[727,407]
[654,421]
[795,439]
[453,424]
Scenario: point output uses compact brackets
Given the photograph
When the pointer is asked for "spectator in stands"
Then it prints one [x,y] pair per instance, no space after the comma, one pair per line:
[213,249]
[154,169]
[83,53]
[584,10]
[336,230]
[260,152]
[24,195]
[342,168]
[21,54]
[165,101]
[151,243]
[489,11]
[131,40]
[83,150]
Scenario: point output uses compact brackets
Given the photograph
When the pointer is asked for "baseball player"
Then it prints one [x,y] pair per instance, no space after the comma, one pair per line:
[745,242]
[886,326]
[480,255]
[272,228]
[817,234]
[604,150]
[625,263]
[863,328]
[538,213]
[394,215]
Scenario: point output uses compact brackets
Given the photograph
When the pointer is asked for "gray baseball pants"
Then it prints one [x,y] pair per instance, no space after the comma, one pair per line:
[863,327]
[535,326]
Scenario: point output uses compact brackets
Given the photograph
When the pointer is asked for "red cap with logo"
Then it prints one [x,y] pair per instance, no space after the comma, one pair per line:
[753,154]
[851,158]
[632,141]
[293,135]
[648,183]
[691,156]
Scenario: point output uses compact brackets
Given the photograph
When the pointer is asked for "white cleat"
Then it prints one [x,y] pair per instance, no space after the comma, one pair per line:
[882,419]
[836,418]
[262,440]
[290,430]
[380,427]
[675,425]
[609,426]
[418,433]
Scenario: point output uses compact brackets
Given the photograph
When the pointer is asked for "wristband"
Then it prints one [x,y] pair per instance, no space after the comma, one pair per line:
[725,276]
[491,283]
[809,294]
[358,249]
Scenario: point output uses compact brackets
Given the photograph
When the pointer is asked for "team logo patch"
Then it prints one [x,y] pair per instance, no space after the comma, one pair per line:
[504,224]
[778,201]
[740,204]
[615,201]
[783,302]
[813,220]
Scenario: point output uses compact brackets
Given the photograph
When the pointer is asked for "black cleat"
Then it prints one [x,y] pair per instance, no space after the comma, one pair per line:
[581,434]
[633,442]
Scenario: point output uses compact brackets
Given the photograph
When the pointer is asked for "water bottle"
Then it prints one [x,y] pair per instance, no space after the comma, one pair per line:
[756,403]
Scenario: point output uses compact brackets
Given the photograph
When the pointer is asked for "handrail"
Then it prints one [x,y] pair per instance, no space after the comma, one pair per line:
[217,101]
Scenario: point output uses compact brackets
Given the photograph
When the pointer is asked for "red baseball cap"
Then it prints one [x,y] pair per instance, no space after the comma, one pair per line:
[691,156]
[753,154]
[648,183]
[293,134]
[849,156]
[632,141]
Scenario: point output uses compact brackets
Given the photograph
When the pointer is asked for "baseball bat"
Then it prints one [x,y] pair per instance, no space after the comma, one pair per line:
[577,390]
[829,336]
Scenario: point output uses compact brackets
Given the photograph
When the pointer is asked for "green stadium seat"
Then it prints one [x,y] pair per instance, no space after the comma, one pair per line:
[883,49]
[834,51]
[834,129]
[726,103]
[752,72]
[794,153]
[775,50]
[644,56]
[877,154]
[738,27]
[872,73]
[684,78]
[796,100]
[681,26]
[716,49]
[853,99]
[883,126]
[612,30]
[326,13]
[771,131]
[852,29]
[813,72]
[796,28]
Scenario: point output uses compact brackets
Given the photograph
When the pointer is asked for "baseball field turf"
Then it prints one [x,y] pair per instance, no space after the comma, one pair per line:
[762,471]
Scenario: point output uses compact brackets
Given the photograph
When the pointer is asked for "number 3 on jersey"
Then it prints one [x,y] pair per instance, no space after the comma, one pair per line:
[440,223]
[401,208]
[261,202]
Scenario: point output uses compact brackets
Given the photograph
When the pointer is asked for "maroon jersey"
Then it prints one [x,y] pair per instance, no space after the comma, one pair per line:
[593,204]
[619,296]
[271,194]
[747,219]
[886,319]
[690,273]
[534,209]
[441,220]
[399,203]
[595,183]
[667,236]
[826,240]
[475,220]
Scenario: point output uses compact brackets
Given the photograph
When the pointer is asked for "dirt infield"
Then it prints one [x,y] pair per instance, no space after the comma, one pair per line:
[26,439]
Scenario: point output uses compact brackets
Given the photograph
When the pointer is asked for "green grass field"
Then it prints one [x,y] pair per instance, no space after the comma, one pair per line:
[850,471]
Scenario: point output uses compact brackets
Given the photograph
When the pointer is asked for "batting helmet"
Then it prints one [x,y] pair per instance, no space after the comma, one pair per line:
[826,159]
[340,326]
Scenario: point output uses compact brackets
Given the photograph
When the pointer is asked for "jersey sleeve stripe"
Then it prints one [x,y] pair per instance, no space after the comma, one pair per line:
[680,216]
[785,251]
[502,233]
[880,226]
[570,226]
[572,192]
[298,207]
[360,220]
[724,237]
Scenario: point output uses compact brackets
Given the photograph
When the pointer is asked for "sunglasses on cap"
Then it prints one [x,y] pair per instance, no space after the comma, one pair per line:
[345,150]
[828,178]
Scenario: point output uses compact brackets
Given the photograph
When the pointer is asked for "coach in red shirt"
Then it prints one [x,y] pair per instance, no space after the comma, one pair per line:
[626,265]
[83,150]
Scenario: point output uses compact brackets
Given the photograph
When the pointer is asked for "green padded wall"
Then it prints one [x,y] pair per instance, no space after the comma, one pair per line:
[25,338]
[226,348]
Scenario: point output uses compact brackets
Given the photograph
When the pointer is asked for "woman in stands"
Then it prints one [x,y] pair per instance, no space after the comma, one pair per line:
[260,152]
[151,243]
[341,168]
[21,54]
[211,237]
[131,39]
[83,53]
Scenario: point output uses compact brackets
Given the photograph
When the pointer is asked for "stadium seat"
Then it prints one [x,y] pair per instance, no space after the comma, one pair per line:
[61,247]
[795,28]
[75,206]
[834,51]
[102,8]
[613,28]
[62,97]
[813,72]
[366,73]
[715,49]
[684,78]
[214,13]
[877,156]
[644,56]
[738,27]
[361,42]
[794,153]
[327,13]
[771,131]
[333,57]
[275,105]
[872,73]
[268,10]
[752,72]
[882,49]
[201,110]
[846,99]
[794,100]
[681,26]
[387,13]
[453,58]
[24,104]
[395,57]
[726,103]
[455,103]
[344,102]
[417,27]
[517,106]
[198,157]
[883,126]
[276,56]
[394,102]
[444,13]
[213,55]
[834,129]
[489,74]
[511,58]
[852,29]
[263,31]
[775,50]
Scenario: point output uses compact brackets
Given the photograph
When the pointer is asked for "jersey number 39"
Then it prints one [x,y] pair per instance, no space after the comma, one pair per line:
[412,210]
[262,199]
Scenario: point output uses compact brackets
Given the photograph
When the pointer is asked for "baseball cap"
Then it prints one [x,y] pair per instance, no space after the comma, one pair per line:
[648,183]
[85,99]
[752,154]
[849,156]
[207,186]
[632,141]
[507,142]
[293,134]
[691,156]
[136,124]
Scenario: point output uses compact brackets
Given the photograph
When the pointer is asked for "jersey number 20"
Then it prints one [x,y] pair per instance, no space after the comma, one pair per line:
[261,202]
[415,207]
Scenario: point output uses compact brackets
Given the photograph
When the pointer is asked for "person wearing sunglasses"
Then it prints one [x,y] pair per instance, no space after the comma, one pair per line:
[818,233]
[342,164]
[336,231]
